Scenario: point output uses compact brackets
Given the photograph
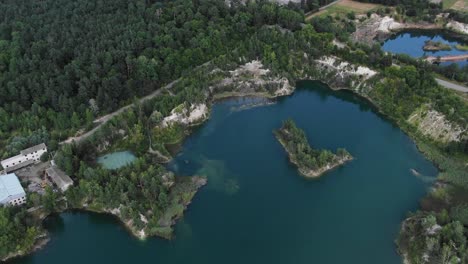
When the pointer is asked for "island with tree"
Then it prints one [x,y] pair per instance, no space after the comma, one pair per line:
[310,162]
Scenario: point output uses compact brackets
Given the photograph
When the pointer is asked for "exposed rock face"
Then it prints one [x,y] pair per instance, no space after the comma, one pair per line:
[344,74]
[435,125]
[252,79]
[388,24]
[379,28]
[187,115]
[375,27]
[254,68]
[457,27]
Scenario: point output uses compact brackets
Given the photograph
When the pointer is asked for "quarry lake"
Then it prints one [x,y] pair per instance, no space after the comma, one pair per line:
[256,207]
[411,43]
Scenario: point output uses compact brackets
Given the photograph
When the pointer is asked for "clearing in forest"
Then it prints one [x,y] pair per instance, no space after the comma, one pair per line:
[461,5]
[344,7]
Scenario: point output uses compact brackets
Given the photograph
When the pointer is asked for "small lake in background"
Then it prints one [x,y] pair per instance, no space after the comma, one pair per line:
[412,42]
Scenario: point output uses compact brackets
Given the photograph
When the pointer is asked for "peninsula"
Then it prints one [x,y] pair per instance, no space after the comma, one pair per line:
[435,46]
[311,162]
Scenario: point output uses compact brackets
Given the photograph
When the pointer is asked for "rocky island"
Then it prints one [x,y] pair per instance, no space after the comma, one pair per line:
[311,162]
[435,46]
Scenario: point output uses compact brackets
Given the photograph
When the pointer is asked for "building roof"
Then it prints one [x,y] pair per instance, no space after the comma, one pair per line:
[59,177]
[10,186]
[33,148]
[10,159]
[18,166]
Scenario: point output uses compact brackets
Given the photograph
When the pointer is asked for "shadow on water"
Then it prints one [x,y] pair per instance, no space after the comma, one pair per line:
[54,223]
[324,92]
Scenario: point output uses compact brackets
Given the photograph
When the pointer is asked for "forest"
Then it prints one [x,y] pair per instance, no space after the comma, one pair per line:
[17,232]
[64,63]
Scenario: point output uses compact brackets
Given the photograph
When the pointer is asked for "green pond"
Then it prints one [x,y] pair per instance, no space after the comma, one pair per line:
[256,208]
[116,160]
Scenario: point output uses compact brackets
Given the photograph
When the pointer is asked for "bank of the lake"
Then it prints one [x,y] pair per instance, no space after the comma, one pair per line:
[236,218]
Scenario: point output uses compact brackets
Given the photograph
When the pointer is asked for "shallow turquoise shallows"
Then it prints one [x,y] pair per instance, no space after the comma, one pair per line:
[256,208]
[116,160]
[412,42]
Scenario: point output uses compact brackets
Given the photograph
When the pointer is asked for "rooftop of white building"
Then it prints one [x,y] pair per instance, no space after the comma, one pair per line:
[10,159]
[10,186]
[23,153]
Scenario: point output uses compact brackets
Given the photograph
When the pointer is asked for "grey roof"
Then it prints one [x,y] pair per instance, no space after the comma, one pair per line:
[33,148]
[10,188]
[59,177]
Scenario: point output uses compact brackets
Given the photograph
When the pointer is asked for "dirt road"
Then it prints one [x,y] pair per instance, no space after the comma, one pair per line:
[104,119]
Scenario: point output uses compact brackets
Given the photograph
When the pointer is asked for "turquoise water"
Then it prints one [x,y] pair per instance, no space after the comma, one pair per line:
[412,42]
[256,208]
[116,160]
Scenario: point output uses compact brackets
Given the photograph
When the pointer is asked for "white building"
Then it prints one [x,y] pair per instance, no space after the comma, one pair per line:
[25,158]
[11,191]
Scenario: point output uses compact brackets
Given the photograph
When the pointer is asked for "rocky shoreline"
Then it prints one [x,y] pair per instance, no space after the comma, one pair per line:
[39,244]
[164,230]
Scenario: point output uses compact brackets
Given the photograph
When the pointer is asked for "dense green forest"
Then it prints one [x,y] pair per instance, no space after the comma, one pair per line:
[307,158]
[17,232]
[63,63]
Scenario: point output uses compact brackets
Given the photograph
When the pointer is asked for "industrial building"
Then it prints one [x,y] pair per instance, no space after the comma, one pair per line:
[25,158]
[11,191]
[62,180]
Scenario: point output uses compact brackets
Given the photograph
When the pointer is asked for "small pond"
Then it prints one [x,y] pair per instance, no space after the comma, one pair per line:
[412,42]
[116,160]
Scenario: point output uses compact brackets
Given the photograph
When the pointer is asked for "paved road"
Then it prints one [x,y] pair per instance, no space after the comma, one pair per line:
[452,86]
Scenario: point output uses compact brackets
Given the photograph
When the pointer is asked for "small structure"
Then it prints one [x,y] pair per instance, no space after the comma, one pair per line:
[58,176]
[11,191]
[25,158]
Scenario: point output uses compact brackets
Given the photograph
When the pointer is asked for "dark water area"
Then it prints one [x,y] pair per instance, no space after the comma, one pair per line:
[412,42]
[256,207]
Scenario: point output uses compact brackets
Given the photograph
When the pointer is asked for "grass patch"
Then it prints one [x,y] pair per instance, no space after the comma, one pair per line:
[447,4]
[459,5]
[344,7]
[461,47]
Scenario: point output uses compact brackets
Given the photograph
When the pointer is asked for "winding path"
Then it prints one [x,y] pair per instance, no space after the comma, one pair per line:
[104,119]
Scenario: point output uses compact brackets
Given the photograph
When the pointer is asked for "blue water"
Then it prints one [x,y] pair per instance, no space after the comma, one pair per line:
[256,207]
[411,43]
[116,160]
